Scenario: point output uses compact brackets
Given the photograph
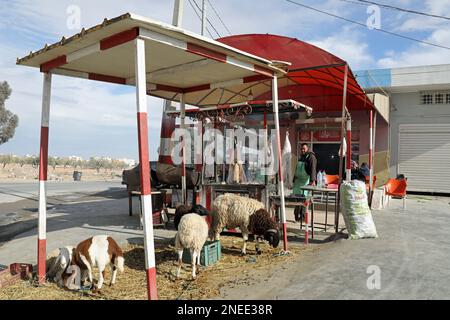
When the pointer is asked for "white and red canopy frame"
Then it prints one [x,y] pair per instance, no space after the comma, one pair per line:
[159,60]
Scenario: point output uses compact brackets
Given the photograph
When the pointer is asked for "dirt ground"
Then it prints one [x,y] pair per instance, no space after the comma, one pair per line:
[233,269]
[14,172]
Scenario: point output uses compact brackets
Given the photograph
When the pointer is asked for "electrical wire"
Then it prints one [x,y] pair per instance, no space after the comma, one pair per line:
[365,26]
[207,19]
[218,16]
[195,10]
[405,10]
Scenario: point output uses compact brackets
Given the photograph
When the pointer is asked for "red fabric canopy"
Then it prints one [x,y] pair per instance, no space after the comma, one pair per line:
[319,74]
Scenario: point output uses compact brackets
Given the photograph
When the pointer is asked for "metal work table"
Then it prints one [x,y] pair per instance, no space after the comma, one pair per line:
[293,201]
[252,189]
[326,192]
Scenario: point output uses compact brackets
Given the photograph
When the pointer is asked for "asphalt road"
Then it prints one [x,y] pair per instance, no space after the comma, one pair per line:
[16,191]
[19,201]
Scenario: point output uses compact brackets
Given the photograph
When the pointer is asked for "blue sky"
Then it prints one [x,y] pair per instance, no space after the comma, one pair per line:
[95,119]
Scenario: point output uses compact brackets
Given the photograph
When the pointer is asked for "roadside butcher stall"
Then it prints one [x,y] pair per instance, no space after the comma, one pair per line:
[247,146]
[159,60]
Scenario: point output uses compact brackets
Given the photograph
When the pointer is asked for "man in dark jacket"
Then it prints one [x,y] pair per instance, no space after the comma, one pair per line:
[305,174]
[310,160]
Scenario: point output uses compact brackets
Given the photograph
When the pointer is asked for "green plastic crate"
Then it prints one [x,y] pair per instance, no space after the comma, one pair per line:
[210,254]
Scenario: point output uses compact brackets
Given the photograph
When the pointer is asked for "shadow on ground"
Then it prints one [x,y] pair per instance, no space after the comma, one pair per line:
[88,210]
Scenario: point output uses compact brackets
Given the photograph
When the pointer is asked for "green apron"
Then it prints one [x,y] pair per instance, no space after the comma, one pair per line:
[301,179]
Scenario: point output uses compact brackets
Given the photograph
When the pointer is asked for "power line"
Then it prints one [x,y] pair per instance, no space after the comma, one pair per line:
[218,16]
[355,2]
[207,19]
[405,10]
[365,26]
[195,10]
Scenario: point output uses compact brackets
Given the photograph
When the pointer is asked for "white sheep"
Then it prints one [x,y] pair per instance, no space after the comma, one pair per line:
[192,234]
[60,264]
[232,211]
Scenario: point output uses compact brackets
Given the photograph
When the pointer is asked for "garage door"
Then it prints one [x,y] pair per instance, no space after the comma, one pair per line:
[424,156]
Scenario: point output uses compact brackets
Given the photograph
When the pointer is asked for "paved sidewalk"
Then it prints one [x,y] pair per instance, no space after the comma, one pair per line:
[411,254]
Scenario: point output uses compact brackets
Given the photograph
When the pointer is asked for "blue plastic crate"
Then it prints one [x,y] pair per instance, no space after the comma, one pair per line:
[210,254]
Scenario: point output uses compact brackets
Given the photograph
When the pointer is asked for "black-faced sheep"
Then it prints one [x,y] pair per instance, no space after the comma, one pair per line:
[192,234]
[233,211]
[183,209]
[263,226]
[98,251]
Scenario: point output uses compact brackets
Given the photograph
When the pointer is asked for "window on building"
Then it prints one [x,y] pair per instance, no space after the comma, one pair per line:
[439,98]
[447,98]
[426,98]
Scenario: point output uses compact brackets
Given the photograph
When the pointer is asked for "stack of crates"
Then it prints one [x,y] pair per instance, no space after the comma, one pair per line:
[211,253]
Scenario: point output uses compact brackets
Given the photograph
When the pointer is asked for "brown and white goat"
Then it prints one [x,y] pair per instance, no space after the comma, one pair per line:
[98,251]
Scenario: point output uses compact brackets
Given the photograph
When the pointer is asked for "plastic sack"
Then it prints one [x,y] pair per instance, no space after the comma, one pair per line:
[343,148]
[286,158]
[356,211]
[271,166]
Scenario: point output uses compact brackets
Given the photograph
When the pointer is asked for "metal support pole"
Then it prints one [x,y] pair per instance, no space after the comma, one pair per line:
[199,161]
[266,177]
[168,123]
[203,17]
[349,149]
[43,163]
[370,151]
[341,156]
[177,19]
[183,149]
[375,115]
[344,102]
[280,163]
[146,197]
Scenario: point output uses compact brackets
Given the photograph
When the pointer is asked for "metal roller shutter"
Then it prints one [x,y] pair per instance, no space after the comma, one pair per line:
[424,156]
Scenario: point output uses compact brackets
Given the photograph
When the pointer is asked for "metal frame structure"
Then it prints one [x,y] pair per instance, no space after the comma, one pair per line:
[84,54]
[253,107]
[167,62]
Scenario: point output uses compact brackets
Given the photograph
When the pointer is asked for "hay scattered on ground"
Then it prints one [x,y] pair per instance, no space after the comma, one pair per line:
[233,269]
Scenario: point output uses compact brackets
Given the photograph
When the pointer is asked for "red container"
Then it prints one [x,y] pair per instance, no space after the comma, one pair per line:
[157,218]
[24,269]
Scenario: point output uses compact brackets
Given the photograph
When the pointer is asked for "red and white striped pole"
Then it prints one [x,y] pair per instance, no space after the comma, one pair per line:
[43,162]
[349,149]
[146,197]
[266,159]
[183,149]
[167,129]
[280,164]
[307,224]
[370,152]
[199,161]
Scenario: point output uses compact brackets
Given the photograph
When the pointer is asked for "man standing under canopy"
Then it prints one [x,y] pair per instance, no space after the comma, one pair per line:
[305,174]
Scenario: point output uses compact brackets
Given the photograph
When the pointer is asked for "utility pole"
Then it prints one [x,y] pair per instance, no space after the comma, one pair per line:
[177,20]
[203,17]
[167,123]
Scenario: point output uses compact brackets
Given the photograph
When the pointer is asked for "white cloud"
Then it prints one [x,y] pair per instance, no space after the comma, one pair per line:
[85,113]
[420,54]
[348,46]
[424,23]
[91,116]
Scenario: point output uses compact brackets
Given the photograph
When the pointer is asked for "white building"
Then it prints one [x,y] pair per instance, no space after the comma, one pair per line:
[128,162]
[419,134]
[75,158]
